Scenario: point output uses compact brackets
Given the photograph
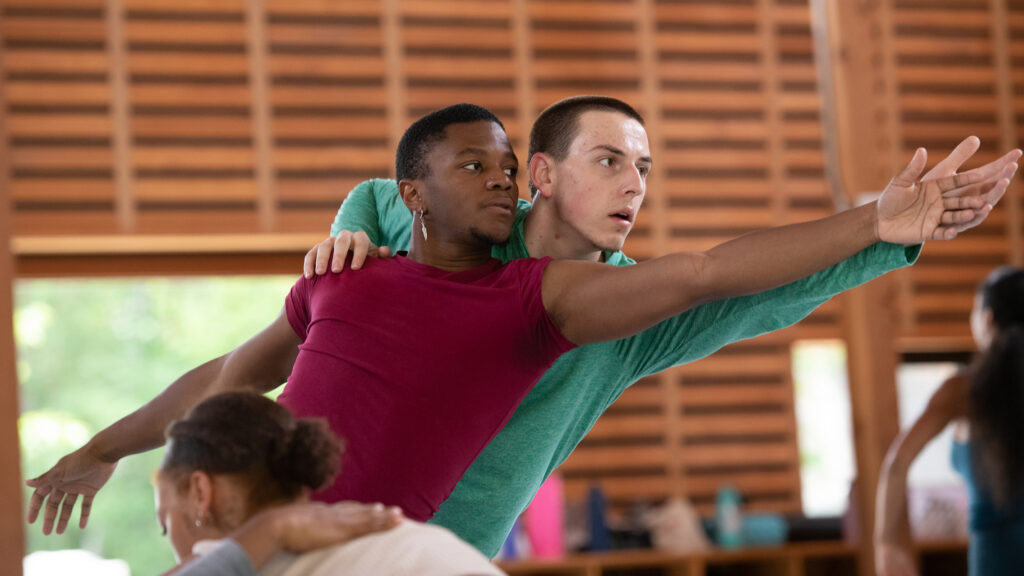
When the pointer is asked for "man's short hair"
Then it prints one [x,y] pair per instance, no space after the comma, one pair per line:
[557,126]
[416,143]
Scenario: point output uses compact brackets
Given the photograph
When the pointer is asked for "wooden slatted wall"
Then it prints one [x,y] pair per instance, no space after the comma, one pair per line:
[188,117]
[953,64]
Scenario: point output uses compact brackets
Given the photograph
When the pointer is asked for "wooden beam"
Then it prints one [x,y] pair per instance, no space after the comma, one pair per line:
[263,155]
[1001,52]
[525,94]
[657,202]
[853,47]
[120,111]
[12,512]
[394,58]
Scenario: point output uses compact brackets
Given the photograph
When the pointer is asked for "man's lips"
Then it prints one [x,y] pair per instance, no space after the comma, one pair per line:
[625,216]
[503,205]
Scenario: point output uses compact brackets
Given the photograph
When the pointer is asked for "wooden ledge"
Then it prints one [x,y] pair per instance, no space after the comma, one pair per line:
[147,244]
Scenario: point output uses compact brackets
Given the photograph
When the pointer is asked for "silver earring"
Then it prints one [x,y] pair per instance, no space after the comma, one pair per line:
[423,226]
[199,523]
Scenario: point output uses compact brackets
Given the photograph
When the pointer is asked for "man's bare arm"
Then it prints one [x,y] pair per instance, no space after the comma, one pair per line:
[260,364]
[592,303]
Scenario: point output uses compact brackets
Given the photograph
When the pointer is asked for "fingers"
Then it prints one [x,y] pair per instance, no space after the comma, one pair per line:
[38,498]
[65,512]
[342,243]
[944,233]
[962,202]
[50,513]
[384,252]
[910,174]
[991,198]
[950,164]
[316,259]
[360,246]
[957,217]
[993,167]
[964,186]
[83,514]
[954,184]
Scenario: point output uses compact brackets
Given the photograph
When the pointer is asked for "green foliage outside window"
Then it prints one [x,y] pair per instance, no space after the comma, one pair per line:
[90,352]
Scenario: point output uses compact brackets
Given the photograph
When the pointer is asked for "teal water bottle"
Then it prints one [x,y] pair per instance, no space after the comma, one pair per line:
[728,520]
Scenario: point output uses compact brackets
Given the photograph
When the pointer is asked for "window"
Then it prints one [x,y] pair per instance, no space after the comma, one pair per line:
[823,421]
[90,352]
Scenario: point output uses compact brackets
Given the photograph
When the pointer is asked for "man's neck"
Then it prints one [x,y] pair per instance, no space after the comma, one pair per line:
[547,235]
[448,255]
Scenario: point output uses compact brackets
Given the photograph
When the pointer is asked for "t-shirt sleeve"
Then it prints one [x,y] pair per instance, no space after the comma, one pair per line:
[297,305]
[228,559]
[375,207]
[701,331]
[546,334]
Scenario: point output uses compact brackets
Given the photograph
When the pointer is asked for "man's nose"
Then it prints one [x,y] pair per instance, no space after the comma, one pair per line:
[635,183]
[500,180]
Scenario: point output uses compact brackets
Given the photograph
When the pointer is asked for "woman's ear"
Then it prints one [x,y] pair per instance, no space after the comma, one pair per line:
[542,174]
[411,194]
[200,495]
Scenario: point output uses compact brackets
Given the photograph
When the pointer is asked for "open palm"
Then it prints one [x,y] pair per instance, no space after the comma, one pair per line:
[77,474]
[911,211]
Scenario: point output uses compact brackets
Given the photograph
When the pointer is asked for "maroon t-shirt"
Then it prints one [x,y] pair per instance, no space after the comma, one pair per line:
[416,369]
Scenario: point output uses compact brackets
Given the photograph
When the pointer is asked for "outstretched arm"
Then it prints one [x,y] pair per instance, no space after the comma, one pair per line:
[892,557]
[260,364]
[294,528]
[594,303]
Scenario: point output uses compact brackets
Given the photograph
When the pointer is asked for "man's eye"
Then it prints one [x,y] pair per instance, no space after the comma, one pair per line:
[605,162]
[511,172]
[644,170]
[474,166]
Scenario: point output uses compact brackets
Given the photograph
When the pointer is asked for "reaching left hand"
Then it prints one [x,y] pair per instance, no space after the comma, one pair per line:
[911,211]
[950,164]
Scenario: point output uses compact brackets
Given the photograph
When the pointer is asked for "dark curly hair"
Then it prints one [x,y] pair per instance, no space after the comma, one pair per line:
[420,137]
[257,440]
[997,389]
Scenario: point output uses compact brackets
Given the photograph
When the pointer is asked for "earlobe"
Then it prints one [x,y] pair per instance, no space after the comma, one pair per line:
[542,174]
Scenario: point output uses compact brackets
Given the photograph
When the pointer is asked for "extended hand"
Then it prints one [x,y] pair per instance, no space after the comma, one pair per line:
[77,474]
[950,164]
[356,242]
[911,211]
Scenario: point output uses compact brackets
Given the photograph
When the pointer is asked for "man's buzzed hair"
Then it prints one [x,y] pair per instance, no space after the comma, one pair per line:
[557,126]
[410,159]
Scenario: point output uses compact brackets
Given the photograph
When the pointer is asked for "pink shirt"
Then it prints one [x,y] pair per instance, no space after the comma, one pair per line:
[416,369]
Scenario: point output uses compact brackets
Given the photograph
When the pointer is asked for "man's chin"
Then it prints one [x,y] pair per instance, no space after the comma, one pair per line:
[492,238]
[612,245]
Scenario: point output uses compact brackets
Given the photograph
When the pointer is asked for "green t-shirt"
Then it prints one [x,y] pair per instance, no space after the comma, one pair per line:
[563,406]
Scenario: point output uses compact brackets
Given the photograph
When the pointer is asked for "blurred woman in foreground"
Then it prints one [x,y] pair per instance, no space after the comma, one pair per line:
[240,457]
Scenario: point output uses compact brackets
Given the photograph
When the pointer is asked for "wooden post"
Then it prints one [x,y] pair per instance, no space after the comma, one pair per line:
[12,513]
[857,81]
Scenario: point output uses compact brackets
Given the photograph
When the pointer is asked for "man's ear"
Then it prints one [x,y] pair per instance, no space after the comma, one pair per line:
[411,194]
[542,173]
[200,494]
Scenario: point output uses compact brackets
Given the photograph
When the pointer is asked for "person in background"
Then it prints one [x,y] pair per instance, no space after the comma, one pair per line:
[240,457]
[985,404]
